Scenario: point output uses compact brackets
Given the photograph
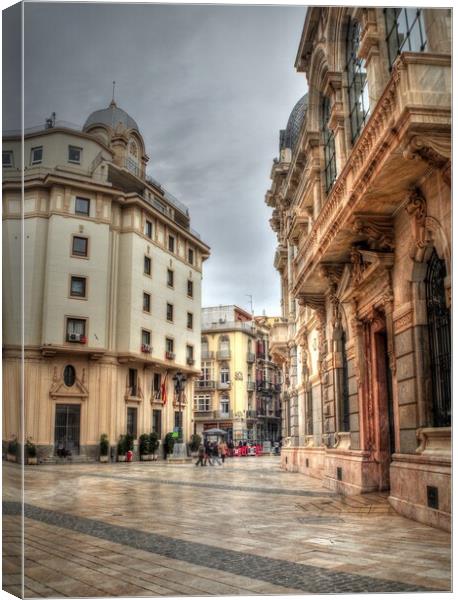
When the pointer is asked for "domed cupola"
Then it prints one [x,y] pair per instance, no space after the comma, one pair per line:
[111,117]
[290,136]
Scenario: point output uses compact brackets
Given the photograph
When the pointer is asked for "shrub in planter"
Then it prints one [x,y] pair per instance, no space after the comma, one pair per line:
[11,450]
[31,453]
[104,447]
[122,448]
[195,442]
[153,443]
[169,443]
[143,447]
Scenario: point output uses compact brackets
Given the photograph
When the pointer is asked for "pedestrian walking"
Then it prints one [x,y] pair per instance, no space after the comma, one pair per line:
[201,456]
[223,450]
[208,454]
[215,454]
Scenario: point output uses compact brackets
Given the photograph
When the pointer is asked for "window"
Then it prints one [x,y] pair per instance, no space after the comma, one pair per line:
[439,330]
[74,154]
[190,354]
[202,402]
[147,265]
[224,346]
[358,92]
[146,302]
[171,243]
[79,246]
[169,345]
[190,320]
[132,421]
[76,330]
[78,287]
[170,278]
[7,158]
[36,155]
[345,408]
[146,337]
[190,256]
[149,229]
[169,312]
[207,371]
[405,31]
[69,375]
[82,206]
[330,169]
[190,288]
[157,422]
[224,373]
[204,347]
[224,404]
[133,382]
[156,385]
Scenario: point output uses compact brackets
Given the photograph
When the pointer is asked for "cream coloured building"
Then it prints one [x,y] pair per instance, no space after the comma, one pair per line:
[112,288]
[239,386]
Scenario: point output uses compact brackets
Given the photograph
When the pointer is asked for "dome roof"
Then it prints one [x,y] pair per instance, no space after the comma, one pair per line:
[290,135]
[111,116]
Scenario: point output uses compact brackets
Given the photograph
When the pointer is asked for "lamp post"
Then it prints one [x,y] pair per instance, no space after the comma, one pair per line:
[179,380]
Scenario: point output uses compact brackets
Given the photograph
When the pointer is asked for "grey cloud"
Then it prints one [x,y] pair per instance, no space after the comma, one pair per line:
[210,87]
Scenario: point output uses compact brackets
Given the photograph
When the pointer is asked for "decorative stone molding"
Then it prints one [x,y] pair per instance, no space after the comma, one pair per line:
[435,442]
[60,390]
[309,441]
[433,149]
[377,229]
[416,209]
[342,440]
[404,322]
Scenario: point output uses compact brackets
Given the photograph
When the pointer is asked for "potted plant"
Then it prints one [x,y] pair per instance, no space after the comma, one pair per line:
[194,444]
[11,450]
[122,448]
[31,453]
[104,448]
[169,443]
[153,444]
[143,447]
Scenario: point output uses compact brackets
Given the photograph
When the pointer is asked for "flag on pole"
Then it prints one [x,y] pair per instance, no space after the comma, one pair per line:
[164,389]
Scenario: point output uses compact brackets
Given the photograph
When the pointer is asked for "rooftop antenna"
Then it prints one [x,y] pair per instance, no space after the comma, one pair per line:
[251,302]
[113,95]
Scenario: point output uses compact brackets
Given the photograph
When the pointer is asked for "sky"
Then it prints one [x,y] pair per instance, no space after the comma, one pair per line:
[209,86]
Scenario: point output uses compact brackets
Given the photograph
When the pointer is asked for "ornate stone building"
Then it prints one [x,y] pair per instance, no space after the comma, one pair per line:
[112,288]
[361,207]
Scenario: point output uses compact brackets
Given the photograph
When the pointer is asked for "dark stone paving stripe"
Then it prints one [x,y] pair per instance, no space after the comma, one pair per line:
[304,578]
[216,486]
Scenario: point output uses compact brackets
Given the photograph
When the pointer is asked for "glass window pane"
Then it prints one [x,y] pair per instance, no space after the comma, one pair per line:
[80,246]
[82,206]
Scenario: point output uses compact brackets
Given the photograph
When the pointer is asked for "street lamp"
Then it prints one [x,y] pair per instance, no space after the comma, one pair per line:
[179,380]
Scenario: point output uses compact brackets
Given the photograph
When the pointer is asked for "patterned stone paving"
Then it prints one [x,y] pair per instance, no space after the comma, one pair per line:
[157,529]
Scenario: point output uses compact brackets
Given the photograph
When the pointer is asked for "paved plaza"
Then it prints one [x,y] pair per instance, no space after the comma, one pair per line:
[155,529]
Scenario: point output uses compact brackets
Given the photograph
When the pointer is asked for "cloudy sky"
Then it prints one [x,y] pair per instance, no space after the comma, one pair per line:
[209,86]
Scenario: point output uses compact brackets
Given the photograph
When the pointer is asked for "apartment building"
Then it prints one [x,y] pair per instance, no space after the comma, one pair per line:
[112,288]
[237,391]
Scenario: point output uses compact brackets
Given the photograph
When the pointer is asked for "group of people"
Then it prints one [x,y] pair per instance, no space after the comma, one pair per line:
[212,453]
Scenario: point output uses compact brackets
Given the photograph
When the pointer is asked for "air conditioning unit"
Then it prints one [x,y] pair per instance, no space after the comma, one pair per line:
[74,337]
[146,348]
[170,355]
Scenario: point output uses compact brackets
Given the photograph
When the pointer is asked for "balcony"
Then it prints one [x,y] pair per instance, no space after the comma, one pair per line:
[170,355]
[207,355]
[250,386]
[76,338]
[379,171]
[212,415]
[146,348]
[205,384]
[251,414]
[278,341]
[190,361]
[250,357]
[223,385]
[247,326]
[223,355]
